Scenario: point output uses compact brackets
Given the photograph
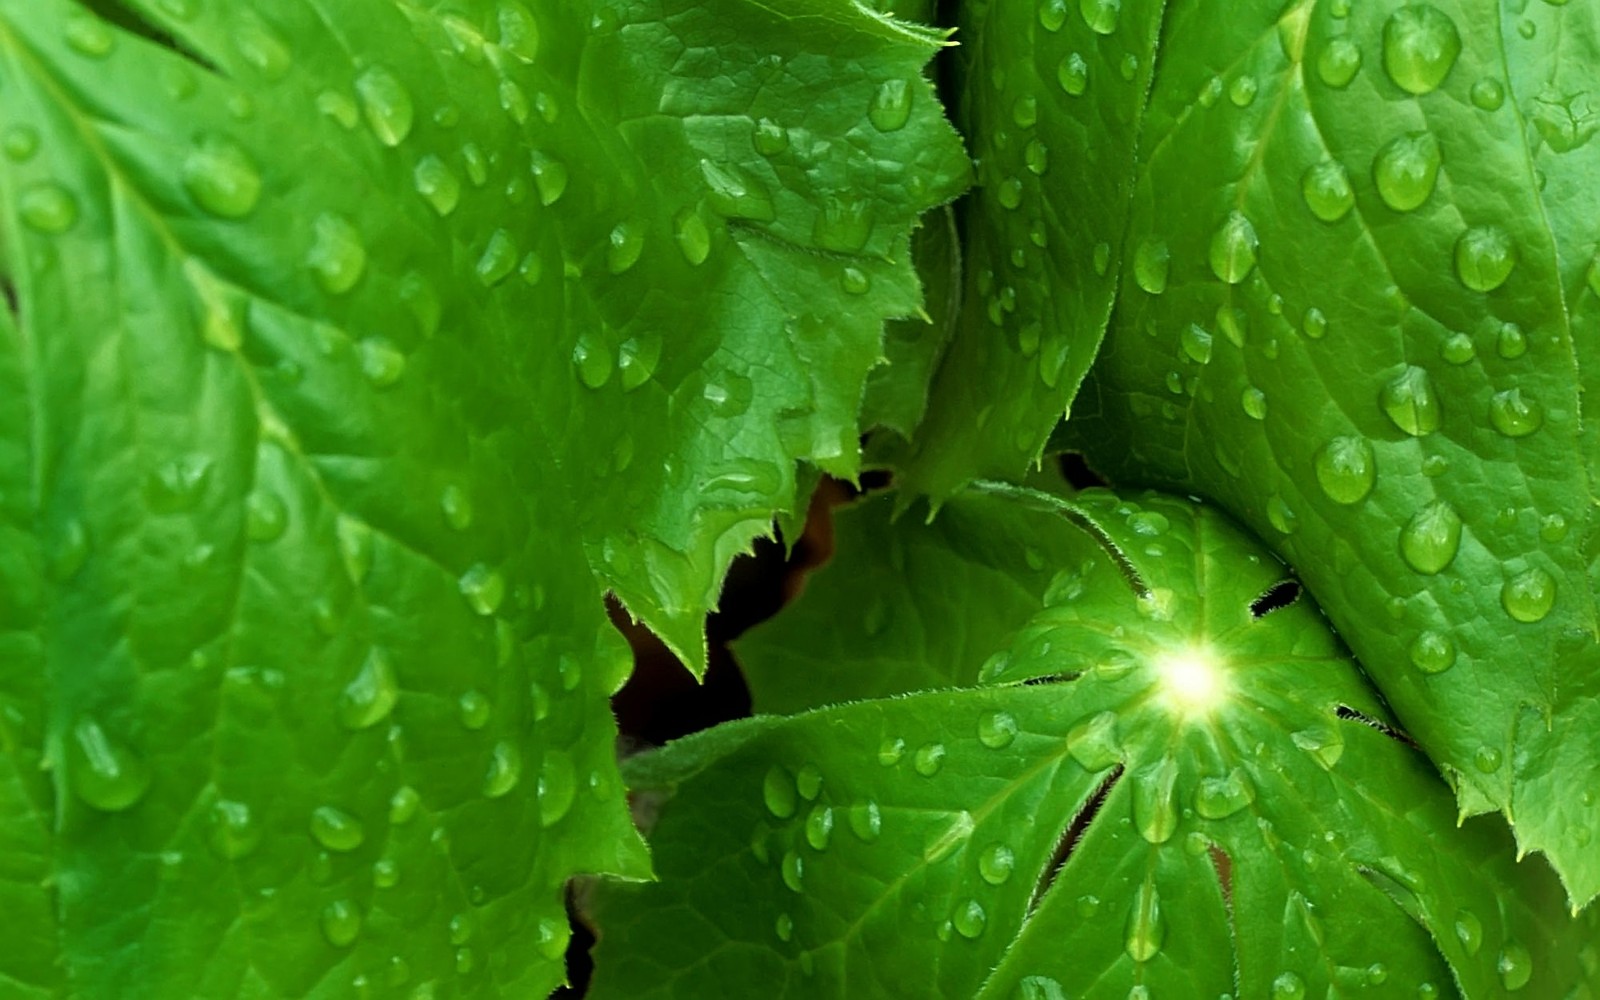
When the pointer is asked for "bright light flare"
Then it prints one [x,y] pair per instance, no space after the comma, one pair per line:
[1192,680]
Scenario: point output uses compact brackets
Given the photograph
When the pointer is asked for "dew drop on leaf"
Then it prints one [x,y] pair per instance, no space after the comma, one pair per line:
[996,730]
[87,35]
[1529,595]
[371,695]
[1430,540]
[336,829]
[891,105]
[234,830]
[1288,986]
[1433,652]
[483,587]
[437,184]
[1327,192]
[557,787]
[1233,249]
[625,245]
[1406,170]
[221,177]
[1151,263]
[1515,966]
[473,708]
[1485,258]
[266,517]
[1339,62]
[928,759]
[1488,94]
[1145,931]
[1073,74]
[1420,46]
[1469,931]
[498,260]
[819,826]
[693,238]
[1093,742]
[970,919]
[504,771]
[103,772]
[866,820]
[1515,415]
[48,208]
[341,923]
[1220,797]
[792,868]
[996,863]
[1052,15]
[386,104]
[337,257]
[1410,401]
[1101,15]
[1155,811]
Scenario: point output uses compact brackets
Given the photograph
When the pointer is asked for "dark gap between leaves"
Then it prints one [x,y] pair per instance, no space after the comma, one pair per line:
[114,12]
[1065,678]
[8,298]
[1402,896]
[1279,595]
[1075,469]
[1071,835]
[1349,714]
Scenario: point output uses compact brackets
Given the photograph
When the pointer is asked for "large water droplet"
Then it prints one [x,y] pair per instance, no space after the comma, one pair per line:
[1406,170]
[1324,742]
[221,177]
[637,358]
[1511,343]
[483,587]
[1515,415]
[1346,469]
[969,919]
[505,770]
[1339,62]
[1469,931]
[1430,540]
[735,195]
[1073,74]
[1433,652]
[437,184]
[1151,264]
[1155,811]
[1288,986]
[48,208]
[1196,343]
[1101,15]
[866,820]
[1094,743]
[996,863]
[624,247]
[386,104]
[88,35]
[474,709]
[1327,191]
[693,238]
[890,751]
[793,870]
[1146,930]
[1515,966]
[1410,401]
[557,787]
[891,105]
[928,759]
[1233,249]
[997,729]
[1420,45]
[549,178]
[103,772]
[234,830]
[341,923]
[372,694]
[778,792]
[819,826]
[1485,257]
[1529,595]
[519,31]
[1254,403]
[336,829]
[1219,798]
[337,257]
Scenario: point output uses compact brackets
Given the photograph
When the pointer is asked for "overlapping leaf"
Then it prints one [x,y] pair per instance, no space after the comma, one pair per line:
[1051,97]
[349,350]
[1235,814]
[1358,309]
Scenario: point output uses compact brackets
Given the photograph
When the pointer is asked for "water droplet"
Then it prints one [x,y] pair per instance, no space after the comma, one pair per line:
[341,923]
[1233,249]
[1093,742]
[592,360]
[793,870]
[1515,965]
[626,244]
[372,694]
[1326,189]
[1485,257]
[1433,652]
[996,863]
[1102,258]
[890,752]
[694,239]
[1196,344]
[891,105]
[386,104]
[1155,811]
[88,35]
[1430,540]
[483,587]
[1469,931]
[778,792]
[519,32]
[1339,62]
[1037,157]
[505,770]
[20,143]
[1288,986]
[819,827]
[1025,111]
[1346,469]
[1410,402]
[221,177]
[1219,798]
[928,759]
[734,195]
[1514,415]
[969,919]
[1242,92]
[437,184]
[1457,349]
[1254,403]
[1511,343]
[1325,744]
[866,820]
[1420,45]
[1553,528]
[1406,170]
[234,830]
[771,138]
[1009,193]
[550,178]
[104,773]
[48,208]
[1100,15]
[381,361]
[474,709]
[1488,94]
[403,805]
[336,829]
[260,46]
[1073,74]
[1152,262]
[637,359]
[784,926]
[1281,516]
[997,729]
[337,257]
[498,260]
[1529,595]
[1146,930]
[557,787]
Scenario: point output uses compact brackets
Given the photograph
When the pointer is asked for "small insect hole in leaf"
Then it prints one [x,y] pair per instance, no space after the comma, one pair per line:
[1072,834]
[1349,714]
[1279,595]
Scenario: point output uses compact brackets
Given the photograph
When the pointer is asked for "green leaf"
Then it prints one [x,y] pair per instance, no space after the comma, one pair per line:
[357,348]
[1237,814]
[1053,108]
[1372,348]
